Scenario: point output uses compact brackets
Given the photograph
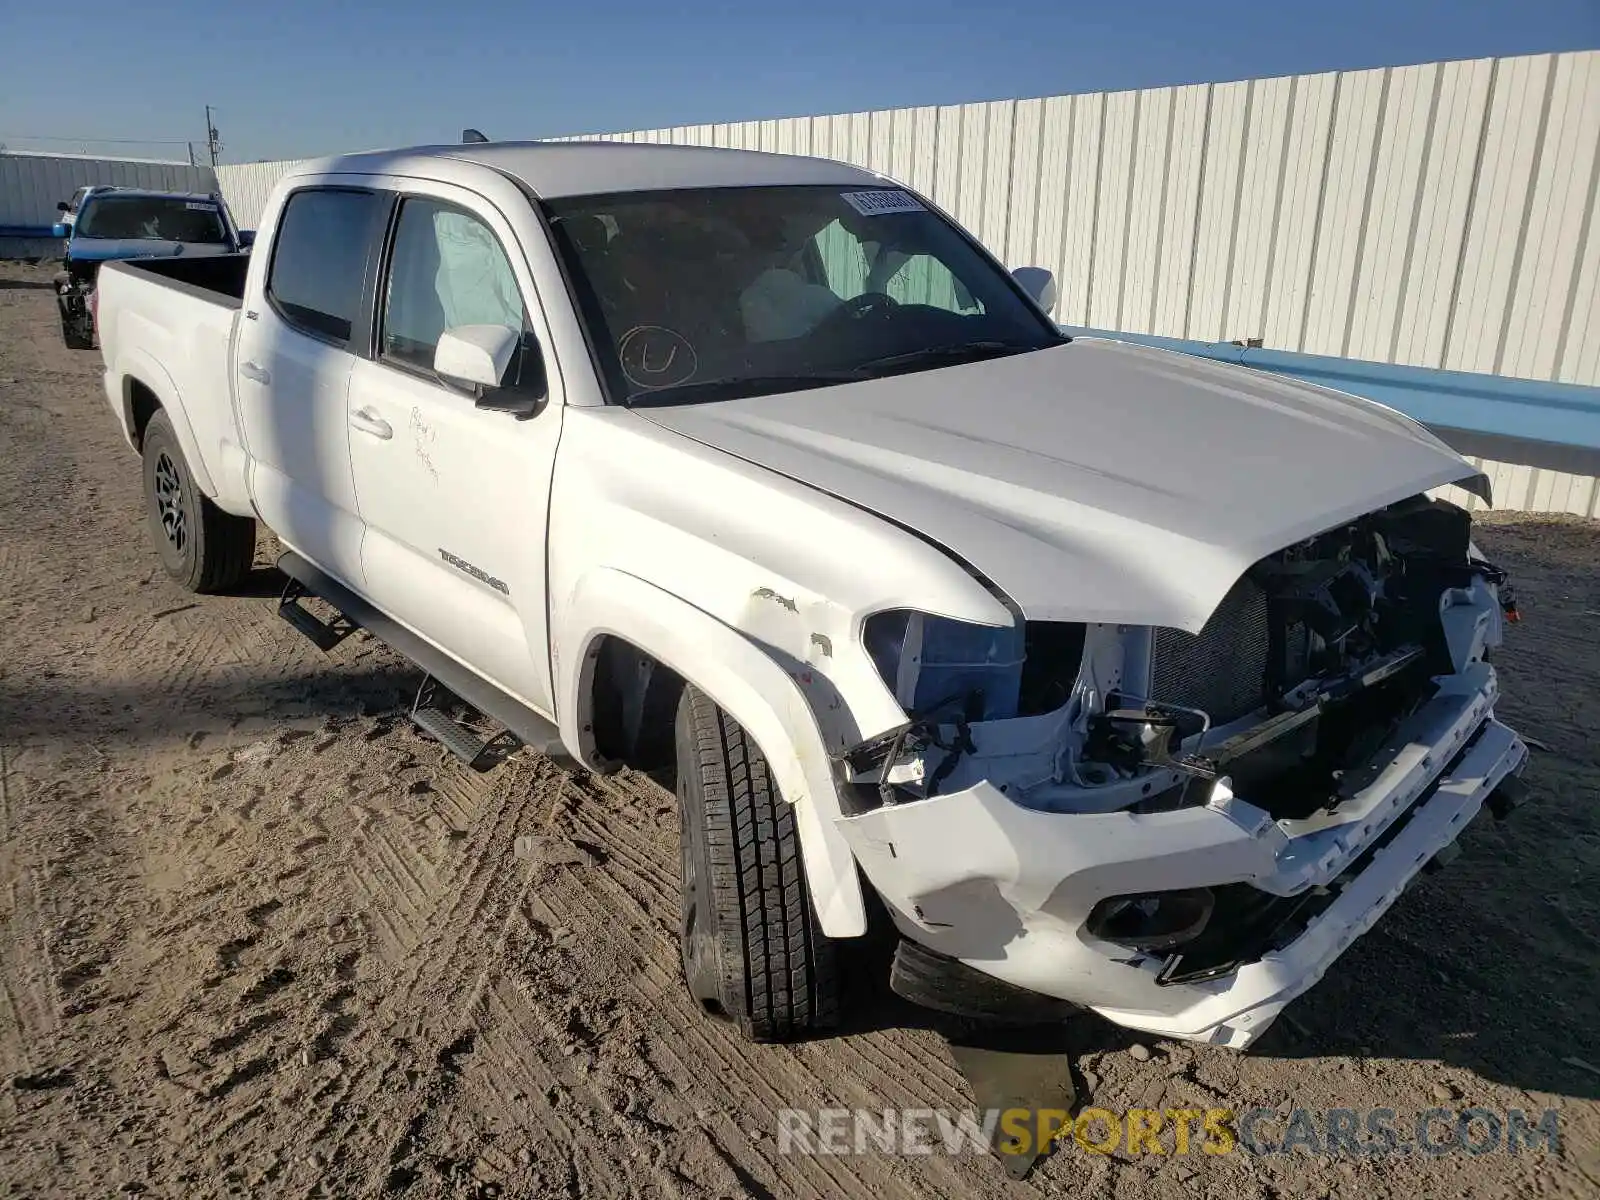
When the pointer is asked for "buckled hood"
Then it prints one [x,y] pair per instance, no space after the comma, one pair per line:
[1095,481]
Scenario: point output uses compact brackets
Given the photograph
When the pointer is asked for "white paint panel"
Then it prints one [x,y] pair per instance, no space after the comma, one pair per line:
[1338,246]
[1230,105]
[1083,181]
[994,210]
[1563,188]
[1492,256]
[1055,134]
[1258,209]
[924,148]
[1391,213]
[1288,286]
[860,151]
[946,187]
[1023,185]
[1175,245]
[971,154]
[1152,156]
[1446,190]
[1113,188]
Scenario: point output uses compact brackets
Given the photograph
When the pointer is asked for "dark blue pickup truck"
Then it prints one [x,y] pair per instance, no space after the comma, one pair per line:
[112,224]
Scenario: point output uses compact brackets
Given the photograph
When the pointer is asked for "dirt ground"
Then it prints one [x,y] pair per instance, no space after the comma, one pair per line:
[259,937]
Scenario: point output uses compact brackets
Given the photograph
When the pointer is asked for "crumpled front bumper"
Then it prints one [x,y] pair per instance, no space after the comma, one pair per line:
[1007,890]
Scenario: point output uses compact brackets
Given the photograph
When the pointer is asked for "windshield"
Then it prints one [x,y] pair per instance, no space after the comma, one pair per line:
[709,294]
[155,218]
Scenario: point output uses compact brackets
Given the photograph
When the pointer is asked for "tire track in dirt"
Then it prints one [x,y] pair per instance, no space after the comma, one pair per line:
[634,875]
[454,906]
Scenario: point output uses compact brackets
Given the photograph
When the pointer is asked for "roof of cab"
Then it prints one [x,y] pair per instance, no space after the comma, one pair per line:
[555,169]
[101,192]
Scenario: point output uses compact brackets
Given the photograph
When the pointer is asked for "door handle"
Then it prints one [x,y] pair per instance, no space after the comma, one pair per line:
[368,421]
[255,372]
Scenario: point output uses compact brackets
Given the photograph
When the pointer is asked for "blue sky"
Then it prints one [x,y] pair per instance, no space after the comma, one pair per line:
[299,77]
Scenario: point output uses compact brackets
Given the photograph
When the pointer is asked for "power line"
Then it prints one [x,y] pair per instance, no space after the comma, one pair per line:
[41,137]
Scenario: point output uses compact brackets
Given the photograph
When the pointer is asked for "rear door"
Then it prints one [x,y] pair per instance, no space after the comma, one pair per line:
[454,497]
[302,317]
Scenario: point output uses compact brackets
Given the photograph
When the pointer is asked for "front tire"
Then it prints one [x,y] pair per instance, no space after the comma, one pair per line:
[203,548]
[752,948]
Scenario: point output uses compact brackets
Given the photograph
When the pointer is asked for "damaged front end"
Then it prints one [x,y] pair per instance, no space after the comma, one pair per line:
[1182,830]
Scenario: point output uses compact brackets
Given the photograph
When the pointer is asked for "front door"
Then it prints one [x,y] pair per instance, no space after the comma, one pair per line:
[295,348]
[454,497]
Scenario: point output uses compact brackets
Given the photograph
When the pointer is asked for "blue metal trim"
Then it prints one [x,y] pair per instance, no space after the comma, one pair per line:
[27,231]
[1563,414]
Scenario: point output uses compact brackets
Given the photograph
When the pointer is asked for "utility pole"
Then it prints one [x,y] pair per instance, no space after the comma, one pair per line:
[213,138]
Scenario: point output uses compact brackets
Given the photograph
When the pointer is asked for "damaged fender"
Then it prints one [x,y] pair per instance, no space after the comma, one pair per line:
[747,684]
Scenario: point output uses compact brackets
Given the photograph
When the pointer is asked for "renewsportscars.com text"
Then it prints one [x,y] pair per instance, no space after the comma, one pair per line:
[1334,1132]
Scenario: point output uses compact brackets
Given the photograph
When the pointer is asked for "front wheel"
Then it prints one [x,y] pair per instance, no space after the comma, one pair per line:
[752,949]
[202,547]
[77,326]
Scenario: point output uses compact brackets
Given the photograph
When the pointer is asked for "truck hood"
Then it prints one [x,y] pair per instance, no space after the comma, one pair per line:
[1094,481]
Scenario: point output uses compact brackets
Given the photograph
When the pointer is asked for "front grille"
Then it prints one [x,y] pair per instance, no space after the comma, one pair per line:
[1221,669]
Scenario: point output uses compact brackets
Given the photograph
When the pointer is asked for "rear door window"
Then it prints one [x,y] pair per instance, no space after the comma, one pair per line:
[319,258]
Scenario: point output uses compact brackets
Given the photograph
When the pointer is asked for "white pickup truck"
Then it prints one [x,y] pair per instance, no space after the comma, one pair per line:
[1124,681]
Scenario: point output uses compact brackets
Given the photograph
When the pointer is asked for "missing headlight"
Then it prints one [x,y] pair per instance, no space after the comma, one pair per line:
[932,664]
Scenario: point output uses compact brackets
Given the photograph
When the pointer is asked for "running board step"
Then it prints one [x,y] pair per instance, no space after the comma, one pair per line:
[478,752]
[325,635]
[532,729]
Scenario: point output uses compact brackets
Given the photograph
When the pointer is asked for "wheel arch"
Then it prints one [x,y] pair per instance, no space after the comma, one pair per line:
[746,683]
[147,389]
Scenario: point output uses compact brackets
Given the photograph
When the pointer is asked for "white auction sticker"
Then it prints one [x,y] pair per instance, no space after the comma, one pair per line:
[876,204]
[199,206]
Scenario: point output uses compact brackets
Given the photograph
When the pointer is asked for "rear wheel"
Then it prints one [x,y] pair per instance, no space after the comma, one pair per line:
[752,949]
[202,547]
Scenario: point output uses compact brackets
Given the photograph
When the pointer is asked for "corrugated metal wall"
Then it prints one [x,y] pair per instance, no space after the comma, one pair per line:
[32,184]
[1437,215]
[1440,215]
[246,187]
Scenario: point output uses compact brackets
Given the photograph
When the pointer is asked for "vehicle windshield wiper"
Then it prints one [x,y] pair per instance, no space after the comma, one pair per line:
[956,352]
[734,386]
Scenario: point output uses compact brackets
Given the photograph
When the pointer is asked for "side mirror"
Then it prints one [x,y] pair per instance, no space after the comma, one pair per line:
[1039,283]
[477,358]
[59,230]
[474,356]
[61,206]
[247,238]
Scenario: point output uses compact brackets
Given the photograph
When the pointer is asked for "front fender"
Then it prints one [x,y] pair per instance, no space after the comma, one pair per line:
[137,366]
[748,684]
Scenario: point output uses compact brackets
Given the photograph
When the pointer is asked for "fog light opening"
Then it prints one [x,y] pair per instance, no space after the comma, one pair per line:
[1153,920]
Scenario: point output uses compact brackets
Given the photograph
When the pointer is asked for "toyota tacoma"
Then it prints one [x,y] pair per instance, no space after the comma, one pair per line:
[1119,680]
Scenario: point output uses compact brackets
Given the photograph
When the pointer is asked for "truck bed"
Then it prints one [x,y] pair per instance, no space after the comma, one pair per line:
[218,278]
[167,326]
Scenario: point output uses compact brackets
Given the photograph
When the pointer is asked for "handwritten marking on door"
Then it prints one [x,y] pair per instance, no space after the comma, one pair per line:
[422,438]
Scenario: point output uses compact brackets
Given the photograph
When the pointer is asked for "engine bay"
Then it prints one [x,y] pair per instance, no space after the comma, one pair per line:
[1300,676]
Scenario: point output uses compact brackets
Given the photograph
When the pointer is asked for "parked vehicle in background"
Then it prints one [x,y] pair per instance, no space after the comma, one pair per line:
[1125,680]
[111,223]
[69,208]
